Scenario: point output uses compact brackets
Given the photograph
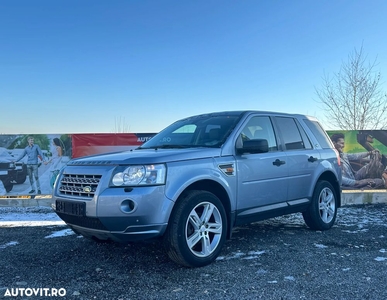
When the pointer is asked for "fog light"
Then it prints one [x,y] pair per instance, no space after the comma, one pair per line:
[128,206]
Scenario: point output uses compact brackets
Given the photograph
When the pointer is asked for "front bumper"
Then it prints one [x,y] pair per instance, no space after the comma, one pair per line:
[132,233]
[117,214]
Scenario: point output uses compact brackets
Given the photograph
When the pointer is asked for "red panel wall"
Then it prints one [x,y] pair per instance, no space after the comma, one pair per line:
[91,144]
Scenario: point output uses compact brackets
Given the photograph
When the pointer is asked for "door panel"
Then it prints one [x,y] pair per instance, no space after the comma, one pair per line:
[302,158]
[260,182]
[301,166]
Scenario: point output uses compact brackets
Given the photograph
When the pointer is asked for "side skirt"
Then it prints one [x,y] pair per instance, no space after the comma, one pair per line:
[270,211]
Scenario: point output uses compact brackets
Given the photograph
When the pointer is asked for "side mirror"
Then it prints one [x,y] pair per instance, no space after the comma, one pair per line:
[253,146]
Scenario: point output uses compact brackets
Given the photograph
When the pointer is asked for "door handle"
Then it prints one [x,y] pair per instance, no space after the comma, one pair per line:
[278,162]
[312,159]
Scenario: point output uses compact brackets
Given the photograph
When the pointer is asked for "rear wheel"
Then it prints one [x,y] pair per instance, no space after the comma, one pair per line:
[197,229]
[21,178]
[321,214]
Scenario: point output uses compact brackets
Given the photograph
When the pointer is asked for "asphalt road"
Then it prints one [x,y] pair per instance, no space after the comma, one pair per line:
[275,259]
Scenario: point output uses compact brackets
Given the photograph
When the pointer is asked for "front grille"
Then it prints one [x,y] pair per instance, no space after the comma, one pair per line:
[79,185]
[82,221]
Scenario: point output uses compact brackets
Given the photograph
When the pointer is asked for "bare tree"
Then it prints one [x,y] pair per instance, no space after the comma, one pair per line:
[353,99]
[121,126]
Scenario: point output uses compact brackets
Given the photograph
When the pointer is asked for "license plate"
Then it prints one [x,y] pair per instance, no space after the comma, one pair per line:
[71,208]
[3,172]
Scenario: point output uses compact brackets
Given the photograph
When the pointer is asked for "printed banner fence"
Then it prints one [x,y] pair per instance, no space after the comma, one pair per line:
[29,164]
[90,144]
[364,157]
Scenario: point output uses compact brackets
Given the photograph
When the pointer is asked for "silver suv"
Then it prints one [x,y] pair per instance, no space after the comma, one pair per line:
[196,180]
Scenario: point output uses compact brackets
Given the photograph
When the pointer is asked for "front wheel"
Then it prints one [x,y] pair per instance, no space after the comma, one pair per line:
[8,185]
[197,229]
[321,214]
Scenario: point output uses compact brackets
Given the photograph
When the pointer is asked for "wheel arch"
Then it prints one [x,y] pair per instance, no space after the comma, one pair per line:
[219,191]
[331,178]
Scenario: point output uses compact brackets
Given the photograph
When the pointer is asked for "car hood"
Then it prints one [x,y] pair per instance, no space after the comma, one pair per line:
[147,156]
[5,159]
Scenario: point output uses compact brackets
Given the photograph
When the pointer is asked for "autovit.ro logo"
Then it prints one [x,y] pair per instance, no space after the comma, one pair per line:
[29,292]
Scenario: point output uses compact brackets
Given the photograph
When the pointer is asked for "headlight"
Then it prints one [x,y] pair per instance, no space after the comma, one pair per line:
[139,175]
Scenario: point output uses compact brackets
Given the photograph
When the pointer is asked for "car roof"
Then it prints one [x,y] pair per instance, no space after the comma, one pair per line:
[244,112]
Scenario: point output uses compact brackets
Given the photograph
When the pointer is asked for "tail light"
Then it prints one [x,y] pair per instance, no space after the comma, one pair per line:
[338,157]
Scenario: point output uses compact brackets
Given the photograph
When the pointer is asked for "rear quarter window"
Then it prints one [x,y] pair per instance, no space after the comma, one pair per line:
[319,133]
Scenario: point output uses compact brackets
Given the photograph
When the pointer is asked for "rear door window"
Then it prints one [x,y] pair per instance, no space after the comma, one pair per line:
[293,135]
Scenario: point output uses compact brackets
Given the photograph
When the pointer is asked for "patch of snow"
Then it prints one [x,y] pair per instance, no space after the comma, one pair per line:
[35,216]
[291,278]
[381,258]
[256,252]
[64,232]
[13,243]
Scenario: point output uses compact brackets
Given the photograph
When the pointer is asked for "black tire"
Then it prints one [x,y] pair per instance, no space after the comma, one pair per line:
[21,179]
[321,214]
[198,217]
[8,186]
[21,176]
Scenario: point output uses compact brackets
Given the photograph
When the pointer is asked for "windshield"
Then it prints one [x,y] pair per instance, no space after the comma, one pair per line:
[209,130]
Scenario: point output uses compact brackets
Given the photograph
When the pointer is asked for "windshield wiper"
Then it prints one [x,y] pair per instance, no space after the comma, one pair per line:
[172,146]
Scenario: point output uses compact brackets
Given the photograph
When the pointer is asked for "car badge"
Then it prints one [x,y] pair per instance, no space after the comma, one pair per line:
[87,189]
